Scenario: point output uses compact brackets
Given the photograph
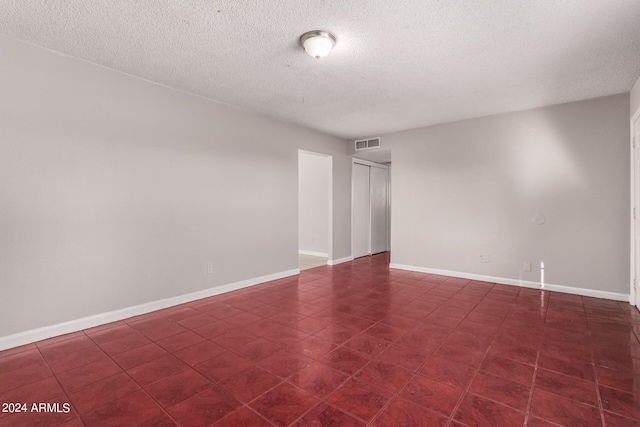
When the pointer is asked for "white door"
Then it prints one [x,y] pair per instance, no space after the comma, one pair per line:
[361,208]
[379,202]
[636,204]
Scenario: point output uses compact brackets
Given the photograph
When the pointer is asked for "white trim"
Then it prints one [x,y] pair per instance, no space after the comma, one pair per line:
[45,332]
[314,153]
[636,115]
[312,253]
[389,208]
[340,260]
[368,163]
[515,282]
[633,205]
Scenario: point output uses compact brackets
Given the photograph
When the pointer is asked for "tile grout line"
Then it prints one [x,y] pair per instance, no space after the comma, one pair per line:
[595,371]
[131,378]
[595,378]
[417,370]
[395,395]
[466,387]
[535,368]
[286,380]
[164,410]
[66,395]
[350,377]
[477,370]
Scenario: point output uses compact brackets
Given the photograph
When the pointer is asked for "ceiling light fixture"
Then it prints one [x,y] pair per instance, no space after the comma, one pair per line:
[317,43]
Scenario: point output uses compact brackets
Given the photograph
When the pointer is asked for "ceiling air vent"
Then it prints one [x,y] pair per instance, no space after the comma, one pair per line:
[364,144]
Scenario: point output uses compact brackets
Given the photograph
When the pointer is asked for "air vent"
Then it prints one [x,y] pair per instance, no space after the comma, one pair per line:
[364,144]
[373,143]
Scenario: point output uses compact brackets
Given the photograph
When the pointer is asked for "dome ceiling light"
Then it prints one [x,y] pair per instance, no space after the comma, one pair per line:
[317,43]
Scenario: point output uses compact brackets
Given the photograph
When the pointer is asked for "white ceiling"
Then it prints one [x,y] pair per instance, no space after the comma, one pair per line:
[398,64]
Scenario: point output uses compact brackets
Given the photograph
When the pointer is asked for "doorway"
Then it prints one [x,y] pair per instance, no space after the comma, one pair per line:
[370,208]
[314,209]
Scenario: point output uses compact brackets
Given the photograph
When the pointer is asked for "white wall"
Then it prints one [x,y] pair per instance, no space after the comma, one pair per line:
[314,181]
[635,98]
[472,187]
[115,191]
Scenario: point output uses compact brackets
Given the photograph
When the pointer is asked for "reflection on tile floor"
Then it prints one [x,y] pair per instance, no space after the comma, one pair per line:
[351,345]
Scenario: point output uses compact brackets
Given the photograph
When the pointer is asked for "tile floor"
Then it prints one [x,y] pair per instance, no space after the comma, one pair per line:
[351,345]
[306,262]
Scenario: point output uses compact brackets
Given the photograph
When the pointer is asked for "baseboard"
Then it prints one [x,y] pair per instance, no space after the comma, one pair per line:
[38,334]
[340,260]
[515,282]
[587,292]
[312,253]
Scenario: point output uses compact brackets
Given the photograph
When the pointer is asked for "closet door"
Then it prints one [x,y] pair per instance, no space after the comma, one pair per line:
[361,211]
[379,202]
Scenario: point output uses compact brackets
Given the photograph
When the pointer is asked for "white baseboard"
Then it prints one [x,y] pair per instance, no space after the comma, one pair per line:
[515,282]
[312,253]
[340,260]
[38,334]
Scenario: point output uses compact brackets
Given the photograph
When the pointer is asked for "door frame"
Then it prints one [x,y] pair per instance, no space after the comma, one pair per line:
[634,145]
[354,161]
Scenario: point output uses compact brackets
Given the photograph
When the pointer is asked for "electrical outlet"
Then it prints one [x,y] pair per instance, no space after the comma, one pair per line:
[485,258]
[527,267]
[209,268]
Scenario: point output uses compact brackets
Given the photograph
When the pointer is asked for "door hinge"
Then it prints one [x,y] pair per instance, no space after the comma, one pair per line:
[633,142]
[634,213]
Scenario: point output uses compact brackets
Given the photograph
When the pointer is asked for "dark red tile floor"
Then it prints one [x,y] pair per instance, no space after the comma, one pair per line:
[350,345]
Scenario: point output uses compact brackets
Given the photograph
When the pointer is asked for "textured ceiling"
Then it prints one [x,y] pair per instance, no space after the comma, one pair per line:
[398,64]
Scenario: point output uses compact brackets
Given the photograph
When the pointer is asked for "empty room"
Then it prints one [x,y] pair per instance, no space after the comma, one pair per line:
[323,213]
